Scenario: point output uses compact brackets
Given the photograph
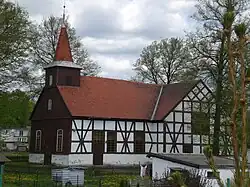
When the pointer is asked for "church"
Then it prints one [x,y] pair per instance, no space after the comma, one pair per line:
[85,120]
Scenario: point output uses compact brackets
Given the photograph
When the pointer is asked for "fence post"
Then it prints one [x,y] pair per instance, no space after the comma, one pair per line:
[77,180]
[228,182]
[1,175]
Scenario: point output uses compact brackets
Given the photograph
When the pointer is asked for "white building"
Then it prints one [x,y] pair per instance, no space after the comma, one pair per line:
[15,139]
[166,163]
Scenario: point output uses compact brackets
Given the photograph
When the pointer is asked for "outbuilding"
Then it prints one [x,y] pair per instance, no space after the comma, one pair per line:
[167,163]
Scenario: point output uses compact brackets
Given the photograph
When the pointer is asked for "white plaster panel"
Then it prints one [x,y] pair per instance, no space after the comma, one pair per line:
[120,136]
[187,128]
[86,124]
[98,125]
[200,85]
[196,139]
[36,158]
[179,148]
[160,137]
[80,159]
[200,96]
[168,138]
[147,147]
[196,149]
[168,148]
[170,126]
[74,146]
[139,126]
[119,147]
[131,147]
[129,124]
[179,140]
[154,148]
[124,159]
[160,127]
[152,127]
[160,148]
[170,117]
[110,125]
[187,138]
[122,126]
[177,128]
[154,137]
[190,95]
[88,147]
[187,117]
[74,135]
[147,137]
[179,107]
[62,160]
[78,124]
[131,137]
[88,136]
[178,117]
[187,106]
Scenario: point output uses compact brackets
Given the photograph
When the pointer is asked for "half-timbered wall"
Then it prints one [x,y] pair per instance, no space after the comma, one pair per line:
[92,140]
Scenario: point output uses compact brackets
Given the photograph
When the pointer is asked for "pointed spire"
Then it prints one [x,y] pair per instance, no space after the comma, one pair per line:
[63,51]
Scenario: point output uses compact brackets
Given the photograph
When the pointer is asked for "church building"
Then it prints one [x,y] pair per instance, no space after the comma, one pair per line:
[85,120]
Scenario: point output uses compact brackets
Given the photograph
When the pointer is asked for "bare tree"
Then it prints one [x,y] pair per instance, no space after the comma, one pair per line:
[162,62]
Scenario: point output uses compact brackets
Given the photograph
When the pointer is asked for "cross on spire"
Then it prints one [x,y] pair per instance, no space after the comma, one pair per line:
[63,21]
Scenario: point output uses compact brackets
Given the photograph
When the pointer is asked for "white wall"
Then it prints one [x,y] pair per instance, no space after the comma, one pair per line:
[160,167]
[36,158]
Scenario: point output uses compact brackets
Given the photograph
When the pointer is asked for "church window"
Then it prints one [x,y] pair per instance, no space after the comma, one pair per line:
[50,80]
[111,141]
[38,140]
[50,104]
[59,140]
[139,142]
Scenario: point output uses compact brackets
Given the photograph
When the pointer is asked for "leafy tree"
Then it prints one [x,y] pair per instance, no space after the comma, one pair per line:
[15,109]
[162,62]
[14,41]
[208,45]
[44,42]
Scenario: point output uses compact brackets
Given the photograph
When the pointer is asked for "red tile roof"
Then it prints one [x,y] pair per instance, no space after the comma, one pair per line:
[119,99]
[63,51]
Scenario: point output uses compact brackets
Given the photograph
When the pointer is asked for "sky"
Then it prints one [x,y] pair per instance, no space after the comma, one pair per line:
[115,31]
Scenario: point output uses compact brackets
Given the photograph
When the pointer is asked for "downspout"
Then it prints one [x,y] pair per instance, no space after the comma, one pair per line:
[157,103]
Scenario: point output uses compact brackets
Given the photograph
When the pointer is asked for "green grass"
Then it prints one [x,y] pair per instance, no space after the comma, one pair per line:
[25,174]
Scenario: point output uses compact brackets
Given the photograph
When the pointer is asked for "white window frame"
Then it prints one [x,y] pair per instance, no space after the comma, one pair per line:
[38,148]
[59,147]
[50,104]
[50,80]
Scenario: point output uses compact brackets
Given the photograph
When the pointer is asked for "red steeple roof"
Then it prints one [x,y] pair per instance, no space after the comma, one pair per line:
[63,51]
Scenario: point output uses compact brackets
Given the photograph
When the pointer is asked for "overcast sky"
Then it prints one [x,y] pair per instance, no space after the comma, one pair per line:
[115,31]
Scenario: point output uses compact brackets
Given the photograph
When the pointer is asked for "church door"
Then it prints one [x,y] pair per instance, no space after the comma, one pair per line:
[98,140]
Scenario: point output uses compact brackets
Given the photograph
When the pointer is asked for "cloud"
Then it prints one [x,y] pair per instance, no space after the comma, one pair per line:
[114,32]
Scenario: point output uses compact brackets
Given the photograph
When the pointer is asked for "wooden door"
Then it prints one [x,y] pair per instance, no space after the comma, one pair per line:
[98,140]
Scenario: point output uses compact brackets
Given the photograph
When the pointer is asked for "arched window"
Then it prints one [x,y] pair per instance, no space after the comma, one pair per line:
[59,140]
[50,80]
[50,104]
[38,140]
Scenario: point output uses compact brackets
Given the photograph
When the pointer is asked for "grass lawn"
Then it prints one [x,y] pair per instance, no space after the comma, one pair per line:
[25,174]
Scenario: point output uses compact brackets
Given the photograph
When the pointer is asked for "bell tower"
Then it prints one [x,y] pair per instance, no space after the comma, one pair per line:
[62,71]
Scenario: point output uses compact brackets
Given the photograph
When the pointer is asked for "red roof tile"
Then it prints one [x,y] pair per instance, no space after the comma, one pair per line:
[171,95]
[63,52]
[119,99]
